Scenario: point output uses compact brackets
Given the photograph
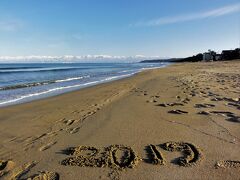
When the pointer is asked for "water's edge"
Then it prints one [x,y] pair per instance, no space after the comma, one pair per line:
[51,92]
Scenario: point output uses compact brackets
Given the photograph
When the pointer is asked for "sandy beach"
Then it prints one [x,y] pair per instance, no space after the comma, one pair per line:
[178,122]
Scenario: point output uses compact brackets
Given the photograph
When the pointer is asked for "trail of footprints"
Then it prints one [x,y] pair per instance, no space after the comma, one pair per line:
[206,109]
[155,99]
[192,89]
[69,125]
[47,146]
[221,78]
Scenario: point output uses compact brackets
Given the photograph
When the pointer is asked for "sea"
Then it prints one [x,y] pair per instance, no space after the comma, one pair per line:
[26,82]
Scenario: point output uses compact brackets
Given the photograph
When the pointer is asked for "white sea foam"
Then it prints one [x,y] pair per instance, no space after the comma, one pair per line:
[148,68]
[71,79]
[37,69]
[127,71]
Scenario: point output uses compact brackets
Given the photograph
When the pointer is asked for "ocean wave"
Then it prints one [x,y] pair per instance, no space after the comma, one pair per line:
[26,70]
[71,79]
[15,68]
[19,86]
[124,71]
[148,68]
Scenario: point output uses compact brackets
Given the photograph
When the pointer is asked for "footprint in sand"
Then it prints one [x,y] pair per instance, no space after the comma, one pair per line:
[69,121]
[73,130]
[237,105]
[234,118]
[75,112]
[186,100]
[191,154]
[223,113]
[91,113]
[203,113]
[20,171]
[216,99]
[212,94]
[45,175]
[151,101]
[154,97]
[144,94]
[3,164]
[32,140]
[53,133]
[178,97]
[170,104]
[47,146]
[228,164]
[234,100]
[5,167]
[177,111]
[205,105]
[88,114]
[230,116]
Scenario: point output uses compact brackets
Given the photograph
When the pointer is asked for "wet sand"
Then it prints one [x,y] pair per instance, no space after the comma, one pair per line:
[178,122]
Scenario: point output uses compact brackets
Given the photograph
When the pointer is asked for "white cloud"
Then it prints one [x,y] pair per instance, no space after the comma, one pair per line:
[192,16]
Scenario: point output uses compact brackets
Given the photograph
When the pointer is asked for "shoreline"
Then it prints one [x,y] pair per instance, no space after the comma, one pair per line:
[77,87]
[191,106]
[70,92]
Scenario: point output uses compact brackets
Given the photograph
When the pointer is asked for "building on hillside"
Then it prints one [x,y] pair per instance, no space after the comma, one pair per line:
[209,56]
[218,57]
[225,55]
[231,54]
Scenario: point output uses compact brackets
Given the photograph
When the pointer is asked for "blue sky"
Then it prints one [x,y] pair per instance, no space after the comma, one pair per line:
[165,28]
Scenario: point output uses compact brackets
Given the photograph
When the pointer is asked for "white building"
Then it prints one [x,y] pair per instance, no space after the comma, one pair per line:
[209,56]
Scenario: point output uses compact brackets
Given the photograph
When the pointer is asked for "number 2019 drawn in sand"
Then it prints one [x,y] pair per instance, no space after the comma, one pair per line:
[121,157]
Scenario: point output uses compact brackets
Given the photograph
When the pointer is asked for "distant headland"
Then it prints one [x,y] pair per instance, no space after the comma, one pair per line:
[210,55]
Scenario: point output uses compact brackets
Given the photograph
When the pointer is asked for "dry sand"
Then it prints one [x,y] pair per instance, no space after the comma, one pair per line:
[179,122]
